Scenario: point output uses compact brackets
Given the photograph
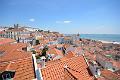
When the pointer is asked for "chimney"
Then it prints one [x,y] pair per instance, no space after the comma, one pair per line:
[98,71]
[95,69]
[43,62]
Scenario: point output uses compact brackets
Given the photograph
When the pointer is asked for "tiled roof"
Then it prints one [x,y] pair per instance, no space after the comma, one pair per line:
[109,75]
[5,66]
[13,49]
[103,57]
[6,40]
[68,75]
[115,63]
[90,55]
[14,59]
[66,45]
[77,68]
[79,75]
[2,32]
[51,46]
[55,51]
[23,68]
[16,30]
[117,72]
[69,55]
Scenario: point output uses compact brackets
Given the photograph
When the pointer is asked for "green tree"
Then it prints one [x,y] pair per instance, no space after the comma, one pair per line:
[33,51]
[40,30]
[44,51]
[38,57]
[37,42]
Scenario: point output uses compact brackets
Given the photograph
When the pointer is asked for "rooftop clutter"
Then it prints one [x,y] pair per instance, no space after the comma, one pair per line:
[69,68]
[57,56]
[15,63]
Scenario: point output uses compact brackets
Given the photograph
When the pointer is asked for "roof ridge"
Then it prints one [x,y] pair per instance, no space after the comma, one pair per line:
[70,72]
[67,68]
[73,69]
[61,61]
[8,66]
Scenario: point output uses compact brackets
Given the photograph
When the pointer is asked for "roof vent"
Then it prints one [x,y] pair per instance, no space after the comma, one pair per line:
[43,62]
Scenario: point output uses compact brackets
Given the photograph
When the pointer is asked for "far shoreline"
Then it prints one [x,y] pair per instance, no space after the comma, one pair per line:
[113,42]
[104,41]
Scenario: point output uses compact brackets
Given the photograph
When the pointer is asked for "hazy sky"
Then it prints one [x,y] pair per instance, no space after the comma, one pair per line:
[65,16]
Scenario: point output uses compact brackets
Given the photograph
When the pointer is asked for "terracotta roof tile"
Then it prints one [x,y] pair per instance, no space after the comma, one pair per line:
[13,49]
[70,54]
[55,51]
[6,40]
[115,63]
[56,70]
[23,68]
[109,75]
[19,61]
[117,72]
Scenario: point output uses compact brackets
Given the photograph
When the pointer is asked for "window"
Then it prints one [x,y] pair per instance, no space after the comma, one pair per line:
[6,76]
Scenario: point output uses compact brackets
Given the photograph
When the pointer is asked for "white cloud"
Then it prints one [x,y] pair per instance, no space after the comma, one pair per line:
[32,20]
[66,22]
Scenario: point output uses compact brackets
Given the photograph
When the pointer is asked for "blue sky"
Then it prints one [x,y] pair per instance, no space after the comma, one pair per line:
[65,16]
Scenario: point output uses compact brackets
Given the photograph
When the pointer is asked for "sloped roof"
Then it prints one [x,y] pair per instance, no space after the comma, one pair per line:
[13,52]
[16,30]
[14,59]
[109,75]
[115,63]
[117,72]
[79,75]
[6,40]
[69,55]
[23,68]
[76,66]
[55,51]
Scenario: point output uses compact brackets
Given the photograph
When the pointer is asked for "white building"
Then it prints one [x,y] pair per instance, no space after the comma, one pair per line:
[104,62]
